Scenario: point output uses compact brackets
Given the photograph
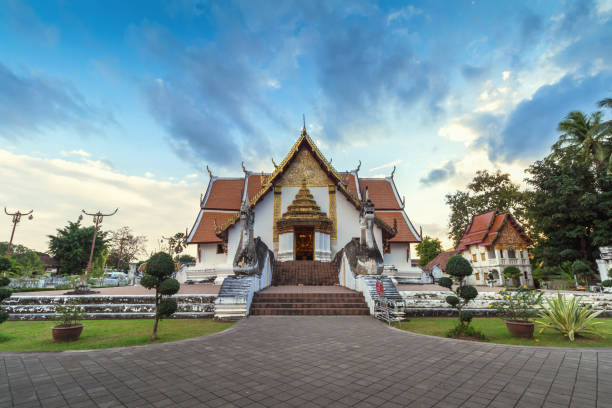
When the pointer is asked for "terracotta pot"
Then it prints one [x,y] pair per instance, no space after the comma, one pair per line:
[67,333]
[520,328]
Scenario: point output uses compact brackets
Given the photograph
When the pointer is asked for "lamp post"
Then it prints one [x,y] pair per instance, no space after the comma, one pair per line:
[16,218]
[97,218]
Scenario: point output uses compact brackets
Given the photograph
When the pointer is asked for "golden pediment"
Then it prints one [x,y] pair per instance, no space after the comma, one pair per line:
[304,166]
[509,236]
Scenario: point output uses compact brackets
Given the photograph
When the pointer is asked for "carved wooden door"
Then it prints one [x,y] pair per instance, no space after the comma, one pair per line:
[304,244]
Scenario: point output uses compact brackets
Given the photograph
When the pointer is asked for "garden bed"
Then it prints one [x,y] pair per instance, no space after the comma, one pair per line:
[100,334]
[495,330]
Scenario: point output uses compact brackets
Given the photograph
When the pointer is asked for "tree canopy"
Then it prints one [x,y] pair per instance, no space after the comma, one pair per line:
[428,249]
[125,247]
[72,245]
[487,191]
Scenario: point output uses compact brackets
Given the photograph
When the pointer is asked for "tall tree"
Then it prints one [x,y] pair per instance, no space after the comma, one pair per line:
[72,245]
[26,257]
[487,191]
[428,249]
[125,247]
[604,153]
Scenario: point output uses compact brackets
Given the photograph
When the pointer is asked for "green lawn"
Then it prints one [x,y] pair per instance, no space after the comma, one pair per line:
[99,334]
[495,330]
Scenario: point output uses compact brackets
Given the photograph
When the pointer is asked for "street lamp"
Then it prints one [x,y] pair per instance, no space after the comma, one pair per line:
[16,218]
[97,218]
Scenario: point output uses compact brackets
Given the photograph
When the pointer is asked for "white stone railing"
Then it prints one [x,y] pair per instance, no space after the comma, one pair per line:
[508,261]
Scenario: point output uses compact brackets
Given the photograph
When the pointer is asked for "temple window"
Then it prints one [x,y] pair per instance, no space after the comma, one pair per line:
[477,276]
[511,253]
[482,256]
[474,258]
[408,253]
[220,249]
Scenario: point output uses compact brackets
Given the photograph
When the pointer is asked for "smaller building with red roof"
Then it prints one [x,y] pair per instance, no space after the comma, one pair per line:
[493,241]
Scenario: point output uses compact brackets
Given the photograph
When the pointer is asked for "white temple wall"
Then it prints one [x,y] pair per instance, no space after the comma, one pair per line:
[233,241]
[264,214]
[209,256]
[397,256]
[348,223]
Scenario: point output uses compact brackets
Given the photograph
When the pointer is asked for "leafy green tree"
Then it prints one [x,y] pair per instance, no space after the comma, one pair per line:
[185,259]
[72,245]
[5,293]
[583,271]
[428,249]
[459,269]
[28,260]
[487,191]
[157,276]
[566,209]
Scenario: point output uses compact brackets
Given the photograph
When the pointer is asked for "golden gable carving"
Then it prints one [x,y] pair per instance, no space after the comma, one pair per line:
[509,236]
[304,166]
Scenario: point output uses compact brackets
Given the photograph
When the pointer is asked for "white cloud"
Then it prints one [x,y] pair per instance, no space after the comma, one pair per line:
[148,174]
[458,132]
[604,9]
[506,75]
[387,165]
[79,152]
[403,14]
[273,83]
[191,176]
[149,207]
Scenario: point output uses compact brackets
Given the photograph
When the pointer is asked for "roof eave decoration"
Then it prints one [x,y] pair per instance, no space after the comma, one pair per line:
[267,182]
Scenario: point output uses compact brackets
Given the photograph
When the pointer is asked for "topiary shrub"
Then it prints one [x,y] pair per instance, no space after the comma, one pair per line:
[459,268]
[512,272]
[157,276]
[607,283]
[5,293]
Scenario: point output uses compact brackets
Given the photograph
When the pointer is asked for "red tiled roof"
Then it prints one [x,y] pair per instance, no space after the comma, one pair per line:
[441,260]
[404,234]
[485,228]
[225,194]
[349,179]
[380,192]
[206,228]
[254,185]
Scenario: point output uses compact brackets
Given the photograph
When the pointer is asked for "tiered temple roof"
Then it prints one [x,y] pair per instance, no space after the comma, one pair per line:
[220,204]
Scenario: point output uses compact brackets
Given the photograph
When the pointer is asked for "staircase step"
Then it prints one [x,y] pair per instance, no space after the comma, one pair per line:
[307,305]
[364,311]
[305,273]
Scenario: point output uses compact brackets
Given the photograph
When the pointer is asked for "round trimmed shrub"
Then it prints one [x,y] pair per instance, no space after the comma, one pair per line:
[445,282]
[4,281]
[167,307]
[458,267]
[169,287]
[467,292]
[3,316]
[160,265]
[148,281]
[511,272]
[607,283]
[452,300]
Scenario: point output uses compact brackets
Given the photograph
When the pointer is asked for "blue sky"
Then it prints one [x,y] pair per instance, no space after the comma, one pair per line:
[123,104]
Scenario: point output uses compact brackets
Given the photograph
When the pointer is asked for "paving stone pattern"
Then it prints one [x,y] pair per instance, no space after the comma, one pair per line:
[323,361]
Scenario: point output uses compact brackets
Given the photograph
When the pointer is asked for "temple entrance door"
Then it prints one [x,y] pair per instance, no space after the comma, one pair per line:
[304,243]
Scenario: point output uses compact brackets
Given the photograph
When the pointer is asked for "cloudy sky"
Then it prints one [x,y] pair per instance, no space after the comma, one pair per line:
[121,104]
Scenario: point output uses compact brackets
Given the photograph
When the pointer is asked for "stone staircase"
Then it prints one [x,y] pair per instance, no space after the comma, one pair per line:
[336,301]
[305,273]
[106,306]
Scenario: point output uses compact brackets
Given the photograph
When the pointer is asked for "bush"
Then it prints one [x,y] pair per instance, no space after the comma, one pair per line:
[607,283]
[569,317]
[468,331]
[518,304]
[512,272]
[5,293]
[158,275]
[69,314]
[458,267]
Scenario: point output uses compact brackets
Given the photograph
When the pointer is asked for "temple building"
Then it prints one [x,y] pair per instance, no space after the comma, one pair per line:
[304,210]
[492,242]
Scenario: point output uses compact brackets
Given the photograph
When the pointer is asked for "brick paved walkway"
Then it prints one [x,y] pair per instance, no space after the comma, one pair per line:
[310,362]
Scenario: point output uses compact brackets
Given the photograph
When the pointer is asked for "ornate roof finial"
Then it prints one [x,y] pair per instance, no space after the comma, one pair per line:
[403,202]
[209,171]
[358,167]
[393,172]
[274,163]
[217,229]
[330,160]
[244,168]
[304,126]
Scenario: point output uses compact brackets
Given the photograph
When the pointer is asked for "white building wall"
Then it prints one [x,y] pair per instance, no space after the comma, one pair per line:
[348,223]
[233,240]
[209,257]
[397,256]
[264,215]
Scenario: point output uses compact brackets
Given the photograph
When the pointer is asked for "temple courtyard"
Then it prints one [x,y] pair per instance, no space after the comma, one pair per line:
[336,361]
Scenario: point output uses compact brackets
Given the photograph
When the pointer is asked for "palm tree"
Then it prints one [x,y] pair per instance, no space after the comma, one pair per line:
[581,136]
[605,134]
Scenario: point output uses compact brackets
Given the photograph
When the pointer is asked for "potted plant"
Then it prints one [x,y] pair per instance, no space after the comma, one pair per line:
[517,306]
[70,329]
